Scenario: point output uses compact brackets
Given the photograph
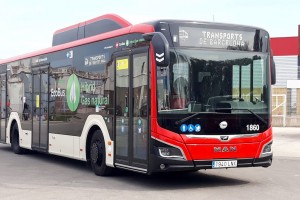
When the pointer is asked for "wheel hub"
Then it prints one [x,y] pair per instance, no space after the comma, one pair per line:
[94,153]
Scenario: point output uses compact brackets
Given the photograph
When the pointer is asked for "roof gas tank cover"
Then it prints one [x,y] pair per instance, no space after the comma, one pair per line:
[98,25]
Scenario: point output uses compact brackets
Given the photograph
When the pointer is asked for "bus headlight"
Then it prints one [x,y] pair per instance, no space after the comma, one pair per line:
[170,152]
[267,150]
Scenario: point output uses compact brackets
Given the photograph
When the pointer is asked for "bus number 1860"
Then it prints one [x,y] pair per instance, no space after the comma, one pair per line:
[252,127]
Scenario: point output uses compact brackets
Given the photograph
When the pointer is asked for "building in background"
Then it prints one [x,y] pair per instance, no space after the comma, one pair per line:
[286,91]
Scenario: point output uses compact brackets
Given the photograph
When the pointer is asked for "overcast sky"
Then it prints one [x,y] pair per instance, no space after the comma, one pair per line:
[28,25]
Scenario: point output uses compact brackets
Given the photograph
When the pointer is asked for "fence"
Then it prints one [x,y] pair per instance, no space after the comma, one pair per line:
[279,108]
[286,107]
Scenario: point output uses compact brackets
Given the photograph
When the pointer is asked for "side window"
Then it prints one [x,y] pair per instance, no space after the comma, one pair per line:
[122,105]
[180,88]
[258,79]
[109,93]
[58,108]
[27,97]
[14,88]
[241,81]
[140,84]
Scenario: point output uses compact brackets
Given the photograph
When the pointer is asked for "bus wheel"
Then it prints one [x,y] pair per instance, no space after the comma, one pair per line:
[15,145]
[97,155]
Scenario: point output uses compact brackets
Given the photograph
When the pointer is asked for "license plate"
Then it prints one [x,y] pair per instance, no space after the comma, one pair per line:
[224,163]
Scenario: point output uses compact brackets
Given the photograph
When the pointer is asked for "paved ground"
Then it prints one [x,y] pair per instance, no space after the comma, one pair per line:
[38,176]
[287,142]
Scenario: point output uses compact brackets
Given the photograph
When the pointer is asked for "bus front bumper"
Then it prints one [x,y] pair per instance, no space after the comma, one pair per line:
[160,164]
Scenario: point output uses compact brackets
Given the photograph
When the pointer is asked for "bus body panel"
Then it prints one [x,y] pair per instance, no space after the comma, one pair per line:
[63,145]
[25,138]
[223,151]
[236,146]
[217,139]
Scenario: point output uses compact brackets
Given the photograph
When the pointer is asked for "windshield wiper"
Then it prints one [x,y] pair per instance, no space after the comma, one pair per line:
[253,113]
[198,113]
[187,118]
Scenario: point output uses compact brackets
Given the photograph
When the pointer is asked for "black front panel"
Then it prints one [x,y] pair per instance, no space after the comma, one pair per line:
[211,124]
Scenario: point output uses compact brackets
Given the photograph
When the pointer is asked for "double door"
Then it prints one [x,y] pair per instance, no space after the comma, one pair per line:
[40,105]
[132,107]
[3,107]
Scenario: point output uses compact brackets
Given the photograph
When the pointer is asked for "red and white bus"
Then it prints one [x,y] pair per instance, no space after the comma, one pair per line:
[166,95]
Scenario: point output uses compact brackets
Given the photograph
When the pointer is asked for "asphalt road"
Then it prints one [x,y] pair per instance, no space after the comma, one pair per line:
[38,176]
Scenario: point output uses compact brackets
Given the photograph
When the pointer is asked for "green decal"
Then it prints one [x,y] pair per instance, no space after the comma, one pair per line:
[73,92]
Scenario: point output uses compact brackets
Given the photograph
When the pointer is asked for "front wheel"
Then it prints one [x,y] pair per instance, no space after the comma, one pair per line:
[15,143]
[98,155]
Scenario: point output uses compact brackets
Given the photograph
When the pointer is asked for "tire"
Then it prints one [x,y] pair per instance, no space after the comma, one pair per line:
[15,143]
[98,155]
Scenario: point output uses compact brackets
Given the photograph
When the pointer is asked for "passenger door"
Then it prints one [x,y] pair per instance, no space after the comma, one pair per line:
[3,106]
[40,99]
[132,121]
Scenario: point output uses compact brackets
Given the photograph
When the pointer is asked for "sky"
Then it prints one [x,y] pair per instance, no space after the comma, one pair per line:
[28,25]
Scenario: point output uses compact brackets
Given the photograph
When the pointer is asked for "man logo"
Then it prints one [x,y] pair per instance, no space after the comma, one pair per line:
[224,138]
[225,149]
[73,92]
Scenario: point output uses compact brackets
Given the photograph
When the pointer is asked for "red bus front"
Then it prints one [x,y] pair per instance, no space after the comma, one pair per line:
[211,105]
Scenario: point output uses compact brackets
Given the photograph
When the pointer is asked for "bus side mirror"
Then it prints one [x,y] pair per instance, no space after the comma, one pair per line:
[161,48]
[273,70]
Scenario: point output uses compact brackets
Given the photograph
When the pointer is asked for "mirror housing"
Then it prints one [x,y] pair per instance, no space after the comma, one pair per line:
[161,48]
[273,69]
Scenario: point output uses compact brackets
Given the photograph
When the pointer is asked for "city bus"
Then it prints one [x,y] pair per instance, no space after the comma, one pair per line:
[160,96]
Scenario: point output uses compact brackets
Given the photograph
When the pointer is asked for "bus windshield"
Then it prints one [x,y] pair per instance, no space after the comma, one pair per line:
[205,81]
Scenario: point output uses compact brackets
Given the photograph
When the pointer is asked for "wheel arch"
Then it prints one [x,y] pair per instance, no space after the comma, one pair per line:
[88,140]
[13,123]
[93,123]
[13,119]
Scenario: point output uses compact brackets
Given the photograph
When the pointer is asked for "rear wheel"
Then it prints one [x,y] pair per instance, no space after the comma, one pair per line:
[98,155]
[15,143]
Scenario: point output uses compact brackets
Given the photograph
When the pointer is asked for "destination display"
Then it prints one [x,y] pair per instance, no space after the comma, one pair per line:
[216,38]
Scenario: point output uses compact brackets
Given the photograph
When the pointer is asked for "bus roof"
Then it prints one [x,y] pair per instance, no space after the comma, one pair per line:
[127,29]
[92,27]
[139,28]
[114,17]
